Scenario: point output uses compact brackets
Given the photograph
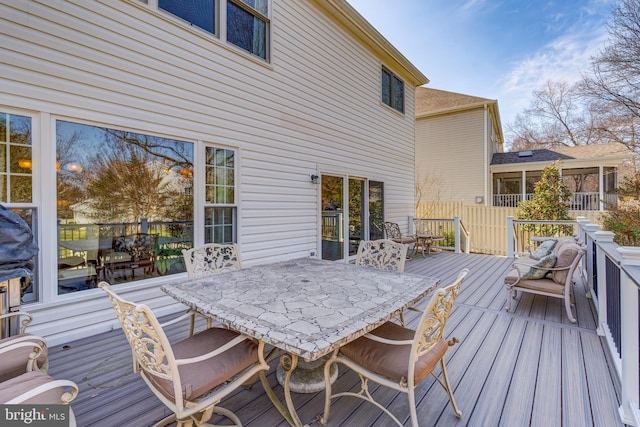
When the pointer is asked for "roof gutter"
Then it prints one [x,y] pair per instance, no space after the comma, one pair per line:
[345,15]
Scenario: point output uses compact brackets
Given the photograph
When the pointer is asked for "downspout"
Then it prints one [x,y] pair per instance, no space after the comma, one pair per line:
[486,155]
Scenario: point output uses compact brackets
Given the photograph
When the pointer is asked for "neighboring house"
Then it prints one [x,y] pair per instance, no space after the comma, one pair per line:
[456,137]
[589,171]
[282,116]
[460,158]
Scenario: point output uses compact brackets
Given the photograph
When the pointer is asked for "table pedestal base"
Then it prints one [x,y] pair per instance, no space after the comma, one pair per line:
[307,377]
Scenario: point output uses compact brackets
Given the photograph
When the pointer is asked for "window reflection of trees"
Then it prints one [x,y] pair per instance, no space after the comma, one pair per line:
[107,175]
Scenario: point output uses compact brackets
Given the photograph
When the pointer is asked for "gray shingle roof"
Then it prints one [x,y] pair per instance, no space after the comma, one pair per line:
[561,153]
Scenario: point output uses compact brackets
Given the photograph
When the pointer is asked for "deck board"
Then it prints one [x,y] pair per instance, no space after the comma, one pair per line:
[530,367]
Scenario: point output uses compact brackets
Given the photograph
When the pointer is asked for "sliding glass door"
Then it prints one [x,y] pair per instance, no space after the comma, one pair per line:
[351,204]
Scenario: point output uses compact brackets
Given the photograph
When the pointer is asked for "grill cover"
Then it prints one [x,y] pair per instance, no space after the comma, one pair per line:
[17,248]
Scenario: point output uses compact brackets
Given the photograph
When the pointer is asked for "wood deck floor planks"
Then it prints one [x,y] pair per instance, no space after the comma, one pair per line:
[547,403]
[530,367]
[488,407]
[575,395]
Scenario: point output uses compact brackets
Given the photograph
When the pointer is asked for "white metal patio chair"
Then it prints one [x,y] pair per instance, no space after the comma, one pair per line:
[18,361]
[210,258]
[23,382]
[400,358]
[382,254]
[193,375]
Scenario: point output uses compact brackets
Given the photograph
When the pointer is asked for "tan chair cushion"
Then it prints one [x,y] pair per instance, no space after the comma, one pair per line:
[14,363]
[392,361]
[199,378]
[566,256]
[23,383]
[405,240]
[543,285]
[562,242]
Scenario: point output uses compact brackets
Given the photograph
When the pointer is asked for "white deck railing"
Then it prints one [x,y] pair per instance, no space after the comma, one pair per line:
[456,236]
[612,276]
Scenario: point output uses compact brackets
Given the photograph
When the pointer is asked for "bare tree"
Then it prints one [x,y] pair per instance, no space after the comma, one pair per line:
[613,86]
[603,107]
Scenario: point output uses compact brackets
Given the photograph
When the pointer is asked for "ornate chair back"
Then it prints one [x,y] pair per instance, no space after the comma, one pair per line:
[382,254]
[174,371]
[211,258]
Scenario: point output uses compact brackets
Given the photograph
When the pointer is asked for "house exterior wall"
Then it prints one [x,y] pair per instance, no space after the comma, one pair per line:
[313,108]
[451,157]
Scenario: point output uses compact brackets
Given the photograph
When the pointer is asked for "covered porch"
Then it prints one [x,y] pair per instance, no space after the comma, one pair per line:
[530,367]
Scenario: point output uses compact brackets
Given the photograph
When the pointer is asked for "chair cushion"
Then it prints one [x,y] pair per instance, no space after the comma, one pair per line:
[537,270]
[392,361]
[566,256]
[562,242]
[14,363]
[199,378]
[544,249]
[23,383]
[542,285]
[405,240]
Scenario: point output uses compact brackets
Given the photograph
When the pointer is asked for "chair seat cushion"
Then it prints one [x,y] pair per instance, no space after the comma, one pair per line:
[405,240]
[392,361]
[14,363]
[199,378]
[542,285]
[23,383]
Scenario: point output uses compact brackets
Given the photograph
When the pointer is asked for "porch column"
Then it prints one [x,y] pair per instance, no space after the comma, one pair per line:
[524,185]
[630,375]
[601,187]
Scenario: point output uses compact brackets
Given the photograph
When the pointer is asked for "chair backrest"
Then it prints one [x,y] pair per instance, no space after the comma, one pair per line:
[434,319]
[152,352]
[211,258]
[392,230]
[382,254]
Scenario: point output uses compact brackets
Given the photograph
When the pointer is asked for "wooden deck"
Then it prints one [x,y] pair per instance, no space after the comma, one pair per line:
[528,368]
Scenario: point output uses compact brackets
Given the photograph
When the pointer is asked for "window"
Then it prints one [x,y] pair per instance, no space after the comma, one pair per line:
[247,20]
[247,24]
[16,183]
[200,13]
[15,159]
[392,90]
[220,209]
[124,205]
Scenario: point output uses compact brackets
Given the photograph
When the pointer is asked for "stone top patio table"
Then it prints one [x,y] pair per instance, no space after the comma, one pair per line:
[306,307]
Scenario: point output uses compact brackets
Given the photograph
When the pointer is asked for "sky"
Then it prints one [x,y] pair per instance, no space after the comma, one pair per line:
[496,49]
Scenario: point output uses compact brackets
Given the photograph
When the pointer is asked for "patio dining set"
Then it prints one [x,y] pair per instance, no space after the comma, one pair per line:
[312,316]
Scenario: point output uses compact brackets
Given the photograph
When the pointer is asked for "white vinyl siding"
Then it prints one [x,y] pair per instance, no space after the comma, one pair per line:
[313,109]
[451,146]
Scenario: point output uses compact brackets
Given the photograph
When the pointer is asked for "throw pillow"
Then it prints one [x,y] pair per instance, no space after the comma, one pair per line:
[565,258]
[537,271]
[543,249]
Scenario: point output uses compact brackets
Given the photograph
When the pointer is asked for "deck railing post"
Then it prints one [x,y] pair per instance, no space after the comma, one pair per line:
[587,263]
[602,237]
[510,238]
[456,226]
[630,375]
